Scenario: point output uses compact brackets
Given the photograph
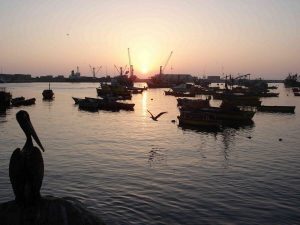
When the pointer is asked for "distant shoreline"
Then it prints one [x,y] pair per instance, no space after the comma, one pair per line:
[26,78]
[99,81]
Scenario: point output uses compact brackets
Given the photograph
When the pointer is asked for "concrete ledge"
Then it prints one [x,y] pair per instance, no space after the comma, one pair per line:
[49,211]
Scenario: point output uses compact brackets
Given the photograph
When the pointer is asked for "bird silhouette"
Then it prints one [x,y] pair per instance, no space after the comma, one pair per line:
[26,167]
[156,117]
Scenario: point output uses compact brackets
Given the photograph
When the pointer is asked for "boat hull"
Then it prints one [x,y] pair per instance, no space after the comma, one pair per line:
[114,92]
[281,109]
[199,123]
[48,94]
[5,98]
[227,115]
[23,102]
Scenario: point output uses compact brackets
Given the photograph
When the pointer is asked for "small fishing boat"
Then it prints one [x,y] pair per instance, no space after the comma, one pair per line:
[5,97]
[77,100]
[235,96]
[107,104]
[21,101]
[48,94]
[125,106]
[230,114]
[15,101]
[114,90]
[199,119]
[272,87]
[136,90]
[296,93]
[30,101]
[180,94]
[88,105]
[242,102]
[187,94]
[281,109]
[192,103]
[267,94]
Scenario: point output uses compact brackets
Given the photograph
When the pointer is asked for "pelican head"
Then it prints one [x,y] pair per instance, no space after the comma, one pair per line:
[25,123]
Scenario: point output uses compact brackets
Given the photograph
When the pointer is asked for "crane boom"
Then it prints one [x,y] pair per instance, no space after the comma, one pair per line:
[93,70]
[116,68]
[99,68]
[129,58]
[130,65]
[167,61]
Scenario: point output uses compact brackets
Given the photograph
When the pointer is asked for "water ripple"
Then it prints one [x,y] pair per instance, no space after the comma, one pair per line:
[132,170]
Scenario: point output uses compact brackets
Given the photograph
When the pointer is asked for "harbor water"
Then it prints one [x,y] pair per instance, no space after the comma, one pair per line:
[129,169]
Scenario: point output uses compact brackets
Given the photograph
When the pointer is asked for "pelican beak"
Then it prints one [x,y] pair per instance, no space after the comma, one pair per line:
[34,135]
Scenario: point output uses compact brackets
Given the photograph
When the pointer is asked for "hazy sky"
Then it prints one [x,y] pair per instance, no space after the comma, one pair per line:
[261,37]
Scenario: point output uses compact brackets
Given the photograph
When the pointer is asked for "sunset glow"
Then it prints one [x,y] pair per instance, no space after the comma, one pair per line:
[53,37]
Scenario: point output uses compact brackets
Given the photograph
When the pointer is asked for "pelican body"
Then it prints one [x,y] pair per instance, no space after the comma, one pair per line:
[26,167]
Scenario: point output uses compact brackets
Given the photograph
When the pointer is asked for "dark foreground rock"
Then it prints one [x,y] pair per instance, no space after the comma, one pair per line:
[49,211]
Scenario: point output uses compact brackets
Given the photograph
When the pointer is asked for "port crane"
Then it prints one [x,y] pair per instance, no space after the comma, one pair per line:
[161,69]
[93,70]
[120,70]
[130,65]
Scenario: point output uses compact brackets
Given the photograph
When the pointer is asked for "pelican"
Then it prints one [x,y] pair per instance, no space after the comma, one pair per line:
[26,167]
[156,117]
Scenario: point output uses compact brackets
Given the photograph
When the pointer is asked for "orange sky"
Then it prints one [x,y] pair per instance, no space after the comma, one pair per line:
[207,37]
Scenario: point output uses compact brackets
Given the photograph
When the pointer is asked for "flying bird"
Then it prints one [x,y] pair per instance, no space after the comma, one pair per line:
[26,167]
[156,117]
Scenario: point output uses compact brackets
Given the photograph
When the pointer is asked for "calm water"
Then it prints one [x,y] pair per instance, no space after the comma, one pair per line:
[131,170]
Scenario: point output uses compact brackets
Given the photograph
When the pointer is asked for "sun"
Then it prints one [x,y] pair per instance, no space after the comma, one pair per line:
[144,69]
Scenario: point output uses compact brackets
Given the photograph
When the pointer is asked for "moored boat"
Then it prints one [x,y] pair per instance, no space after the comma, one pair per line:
[136,90]
[21,101]
[112,105]
[5,97]
[281,109]
[180,94]
[77,100]
[48,94]
[125,106]
[235,96]
[272,87]
[267,94]
[15,101]
[199,112]
[292,80]
[241,102]
[236,115]
[189,104]
[86,104]
[114,91]
[199,119]
[30,101]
